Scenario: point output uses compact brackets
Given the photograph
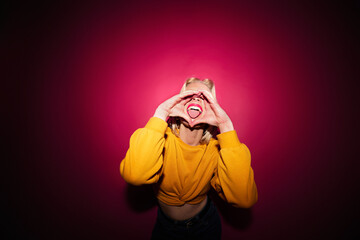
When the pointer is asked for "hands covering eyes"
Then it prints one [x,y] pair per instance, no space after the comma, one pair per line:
[211,114]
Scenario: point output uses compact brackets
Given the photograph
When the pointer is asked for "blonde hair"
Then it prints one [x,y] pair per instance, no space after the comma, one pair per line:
[209,131]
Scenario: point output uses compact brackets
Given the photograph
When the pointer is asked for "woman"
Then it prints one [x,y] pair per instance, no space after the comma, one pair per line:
[187,146]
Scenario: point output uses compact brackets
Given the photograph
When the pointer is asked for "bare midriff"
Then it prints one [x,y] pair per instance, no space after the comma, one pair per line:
[182,212]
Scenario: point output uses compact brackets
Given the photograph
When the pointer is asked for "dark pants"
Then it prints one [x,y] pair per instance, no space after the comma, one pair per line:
[204,225]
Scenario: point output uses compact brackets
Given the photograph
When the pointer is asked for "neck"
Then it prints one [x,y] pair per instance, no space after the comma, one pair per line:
[190,136]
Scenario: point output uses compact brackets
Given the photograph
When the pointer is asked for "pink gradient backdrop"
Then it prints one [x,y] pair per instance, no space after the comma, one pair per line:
[84,77]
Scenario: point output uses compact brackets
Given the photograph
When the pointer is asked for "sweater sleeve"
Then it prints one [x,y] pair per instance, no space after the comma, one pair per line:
[234,178]
[144,159]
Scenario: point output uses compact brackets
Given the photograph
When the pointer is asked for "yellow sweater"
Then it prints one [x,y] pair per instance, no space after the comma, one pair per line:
[184,173]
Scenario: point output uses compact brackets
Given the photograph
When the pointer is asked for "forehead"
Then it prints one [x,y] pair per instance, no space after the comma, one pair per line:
[197,86]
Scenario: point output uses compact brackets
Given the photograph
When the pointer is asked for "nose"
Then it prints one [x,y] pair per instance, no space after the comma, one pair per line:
[196,99]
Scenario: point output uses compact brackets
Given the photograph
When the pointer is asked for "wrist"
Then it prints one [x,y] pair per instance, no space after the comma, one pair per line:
[159,113]
[226,127]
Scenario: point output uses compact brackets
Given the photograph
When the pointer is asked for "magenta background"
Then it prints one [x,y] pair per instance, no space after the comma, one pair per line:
[81,78]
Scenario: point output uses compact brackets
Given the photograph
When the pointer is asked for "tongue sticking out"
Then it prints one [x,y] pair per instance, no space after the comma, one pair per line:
[193,113]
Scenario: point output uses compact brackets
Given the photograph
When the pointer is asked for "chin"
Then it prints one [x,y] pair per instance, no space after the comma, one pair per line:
[196,127]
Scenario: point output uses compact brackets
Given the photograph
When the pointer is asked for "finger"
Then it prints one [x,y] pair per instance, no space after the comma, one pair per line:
[184,95]
[214,107]
[212,102]
[178,111]
[180,105]
[178,98]
[208,96]
[188,93]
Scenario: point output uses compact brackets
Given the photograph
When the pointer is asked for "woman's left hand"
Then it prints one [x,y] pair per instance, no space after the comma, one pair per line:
[214,114]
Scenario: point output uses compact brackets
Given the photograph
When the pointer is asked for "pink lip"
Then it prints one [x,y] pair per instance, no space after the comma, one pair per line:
[196,105]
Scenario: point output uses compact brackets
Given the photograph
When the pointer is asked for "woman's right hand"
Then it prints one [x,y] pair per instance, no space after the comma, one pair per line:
[169,106]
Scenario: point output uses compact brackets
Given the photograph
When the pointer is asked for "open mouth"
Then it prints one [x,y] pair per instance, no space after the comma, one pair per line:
[194,110]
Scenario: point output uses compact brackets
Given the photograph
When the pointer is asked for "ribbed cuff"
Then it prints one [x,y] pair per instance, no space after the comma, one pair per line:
[228,139]
[157,125]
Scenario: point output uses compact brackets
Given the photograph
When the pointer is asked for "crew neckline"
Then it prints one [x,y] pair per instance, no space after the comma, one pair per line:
[178,139]
[187,145]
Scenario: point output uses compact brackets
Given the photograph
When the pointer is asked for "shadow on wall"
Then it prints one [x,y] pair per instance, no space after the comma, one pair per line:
[142,198]
[238,218]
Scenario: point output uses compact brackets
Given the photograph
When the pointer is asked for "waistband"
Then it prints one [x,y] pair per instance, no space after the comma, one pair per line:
[191,220]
